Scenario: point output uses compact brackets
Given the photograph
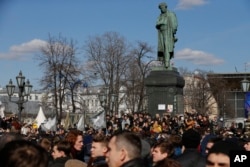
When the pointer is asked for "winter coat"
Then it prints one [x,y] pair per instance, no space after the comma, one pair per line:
[138,162]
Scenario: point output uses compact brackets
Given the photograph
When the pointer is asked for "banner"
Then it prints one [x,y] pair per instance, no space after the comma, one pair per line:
[99,120]
[247,104]
[80,125]
[50,125]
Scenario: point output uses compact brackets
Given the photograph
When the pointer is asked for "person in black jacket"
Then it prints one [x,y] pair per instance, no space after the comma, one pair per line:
[60,154]
[124,150]
[99,148]
[191,157]
[161,150]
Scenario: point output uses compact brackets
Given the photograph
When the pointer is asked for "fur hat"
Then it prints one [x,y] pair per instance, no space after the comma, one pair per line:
[75,163]
[191,138]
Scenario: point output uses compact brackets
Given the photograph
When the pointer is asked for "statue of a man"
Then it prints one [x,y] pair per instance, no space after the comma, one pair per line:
[167,26]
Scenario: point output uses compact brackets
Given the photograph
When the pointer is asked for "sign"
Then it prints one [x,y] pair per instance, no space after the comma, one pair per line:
[161,107]
[170,108]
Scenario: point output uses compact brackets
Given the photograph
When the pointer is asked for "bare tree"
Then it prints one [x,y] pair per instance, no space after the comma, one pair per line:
[198,93]
[61,70]
[136,74]
[221,89]
[108,57]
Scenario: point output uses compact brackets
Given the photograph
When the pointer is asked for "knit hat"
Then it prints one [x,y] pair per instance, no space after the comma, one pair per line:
[224,147]
[75,163]
[191,138]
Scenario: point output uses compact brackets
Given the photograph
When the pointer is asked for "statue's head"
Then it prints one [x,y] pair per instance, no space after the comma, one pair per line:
[163,4]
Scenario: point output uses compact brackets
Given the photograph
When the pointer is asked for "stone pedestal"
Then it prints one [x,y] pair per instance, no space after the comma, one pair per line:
[164,88]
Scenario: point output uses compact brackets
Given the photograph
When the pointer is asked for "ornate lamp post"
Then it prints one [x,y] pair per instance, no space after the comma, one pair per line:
[24,91]
[245,86]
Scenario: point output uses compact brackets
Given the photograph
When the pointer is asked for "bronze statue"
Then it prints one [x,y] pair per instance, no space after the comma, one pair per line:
[167,26]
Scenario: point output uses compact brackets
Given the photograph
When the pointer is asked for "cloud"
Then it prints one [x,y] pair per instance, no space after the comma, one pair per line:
[23,50]
[187,4]
[198,57]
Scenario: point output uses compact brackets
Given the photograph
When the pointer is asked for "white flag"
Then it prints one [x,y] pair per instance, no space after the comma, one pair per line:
[80,124]
[99,120]
[40,118]
[50,125]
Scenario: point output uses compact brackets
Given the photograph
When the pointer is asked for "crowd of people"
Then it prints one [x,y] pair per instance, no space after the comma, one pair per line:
[132,140]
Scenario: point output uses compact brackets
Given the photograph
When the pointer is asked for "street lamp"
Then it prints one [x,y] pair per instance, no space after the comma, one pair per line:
[245,85]
[24,91]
